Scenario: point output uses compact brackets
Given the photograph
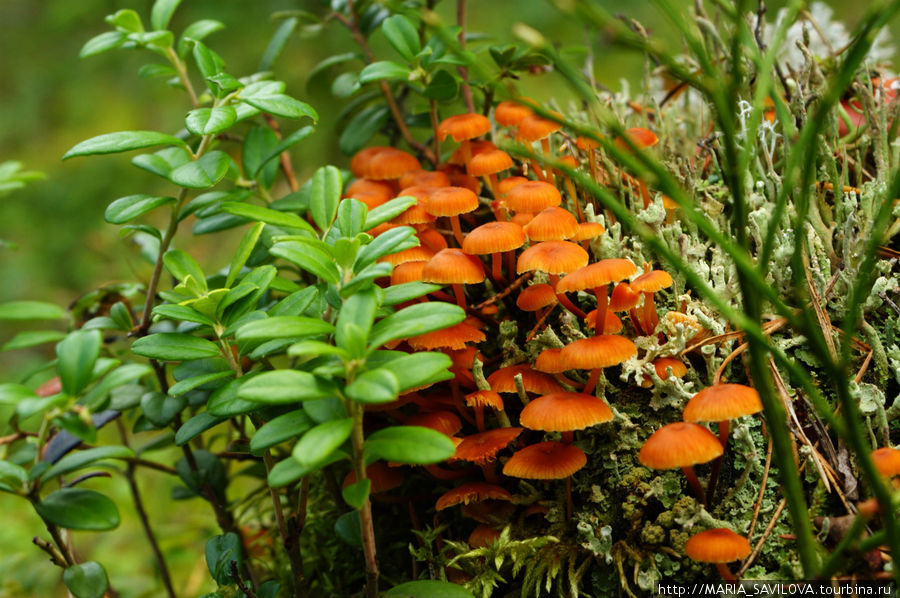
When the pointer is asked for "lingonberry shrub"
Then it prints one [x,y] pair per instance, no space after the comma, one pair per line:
[516,349]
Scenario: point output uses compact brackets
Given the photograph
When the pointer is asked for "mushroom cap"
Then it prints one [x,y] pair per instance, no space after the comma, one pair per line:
[483,536]
[485,398]
[453,337]
[426,178]
[681,444]
[721,402]
[569,161]
[472,492]
[489,162]
[545,461]
[587,231]
[601,351]
[390,164]
[483,447]
[413,254]
[368,186]
[641,137]
[445,422]
[503,380]
[504,185]
[552,224]
[418,212]
[596,275]
[532,196]
[452,266]
[451,201]
[463,126]
[494,237]
[522,218]
[476,146]
[432,239]
[564,412]
[407,272]
[382,476]
[536,297]
[510,113]
[663,364]
[535,128]
[652,281]
[550,361]
[623,297]
[359,162]
[719,545]
[886,461]
[613,324]
[586,143]
[553,257]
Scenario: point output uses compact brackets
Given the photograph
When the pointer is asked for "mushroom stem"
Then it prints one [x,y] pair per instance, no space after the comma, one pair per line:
[694,482]
[540,323]
[466,148]
[538,172]
[457,230]
[592,162]
[511,264]
[460,296]
[495,267]
[554,278]
[602,294]
[724,427]
[592,381]
[502,418]
[725,572]
[651,318]
[636,320]
[573,195]
[569,506]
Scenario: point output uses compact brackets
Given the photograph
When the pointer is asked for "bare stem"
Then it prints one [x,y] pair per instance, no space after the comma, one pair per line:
[365,512]
[463,71]
[182,74]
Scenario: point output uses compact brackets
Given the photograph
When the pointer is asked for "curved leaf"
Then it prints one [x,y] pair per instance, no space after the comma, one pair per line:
[122,141]
[79,508]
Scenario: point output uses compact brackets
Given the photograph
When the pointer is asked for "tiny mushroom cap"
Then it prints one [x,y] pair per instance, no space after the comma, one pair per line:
[652,281]
[382,476]
[613,324]
[503,380]
[485,398]
[552,224]
[416,213]
[483,536]
[366,186]
[550,361]
[532,196]
[489,162]
[476,146]
[535,128]
[451,201]
[482,448]
[564,412]
[545,461]
[536,297]
[680,444]
[494,237]
[722,402]
[472,492]
[886,461]
[601,351]
[390,164]
[552,257]
[719,545]
[427,178]
[461,127]
[432,239]
[586,143]
[504,186]
[413,254]
[596,275]
[360,160]
[623,297]
[510,113]
[663,364]
[453,337]
[640,136]
[452,266]
[522,218]
[445,422]
[587,231]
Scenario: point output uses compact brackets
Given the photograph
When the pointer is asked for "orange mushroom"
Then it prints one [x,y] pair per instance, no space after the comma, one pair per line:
[565,412]
[495,238]
[554,258]
[649,283]
[462,128]
[547,461]
[718,546]
[597,277]
[451,202]
[453,267]
[681,445]
[552,224]
[487,164]
[480,399]
[596,353]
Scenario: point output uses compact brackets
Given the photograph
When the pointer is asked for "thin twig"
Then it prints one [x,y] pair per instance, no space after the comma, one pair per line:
[463,71]
[762,489]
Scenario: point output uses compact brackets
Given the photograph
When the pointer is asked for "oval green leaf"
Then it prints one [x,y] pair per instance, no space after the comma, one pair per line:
[282,428]
[209,121]
[282,105]
[428,588]
[122,141]
[174,346]
[285,386]
[415,320]
[410,444]
[76,355]
[319,442]
[86,580]
[283,327]
[128,208]
[383,70]
[374,386]
[81,459]
[203,172]
[79,508]
[31,310]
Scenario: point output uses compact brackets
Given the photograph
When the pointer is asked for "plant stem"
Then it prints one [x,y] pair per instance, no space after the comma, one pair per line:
[463,71]
[183,75]
[290,541]
[365,512]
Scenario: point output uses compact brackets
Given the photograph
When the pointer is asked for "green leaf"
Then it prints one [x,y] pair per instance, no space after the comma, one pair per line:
[182,313]
[319,442]
[289,471]
[348,529]
[390,241]
[126,20]
[388,210]
[402,35]
[267,215]
[277,44]
[324,196]
[162,162]
[162,12]
[209,121]
[174,346]
[373,387]
[356,494]
[12,473]
[245,248]
[78,508]
[189,384]
[282,105]
[104,42]
[419,369]
[32,338]
[76,355]
[442,87]
[310,258]
[316,348]
[285,386]
[283,327]
[384,70]
[282,428]
[221,551]
[355,322]
[86,580]
[401,293]
[409,444]
[428,588]
[351,217]
[181,265]
[415,320]
[203,172]
[224,402]
[128,208]
[197,31]
[208,62]
[162,409]
[122,141]
[195,426]
[362,127]
[285,144]
[31,310]
[81,459]
[11,394]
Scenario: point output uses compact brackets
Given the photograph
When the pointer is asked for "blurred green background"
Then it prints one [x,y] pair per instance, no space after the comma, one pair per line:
[51,100]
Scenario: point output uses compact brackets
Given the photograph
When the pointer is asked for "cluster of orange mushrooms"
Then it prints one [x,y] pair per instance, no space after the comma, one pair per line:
[483,217]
